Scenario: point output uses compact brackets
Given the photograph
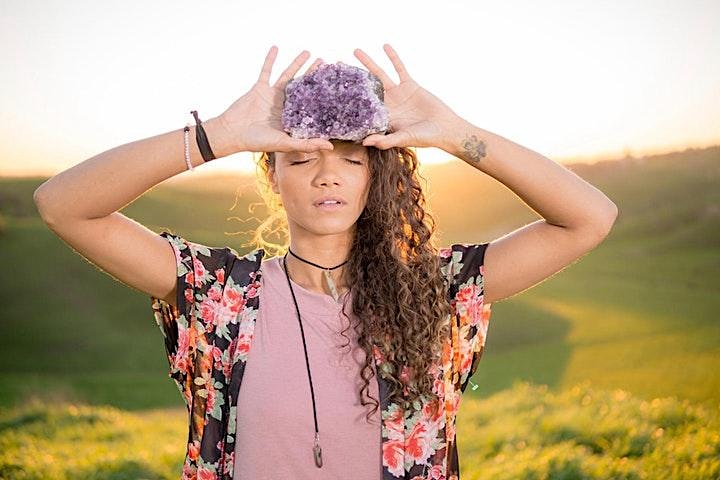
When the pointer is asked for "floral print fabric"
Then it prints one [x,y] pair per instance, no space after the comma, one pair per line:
[208,337]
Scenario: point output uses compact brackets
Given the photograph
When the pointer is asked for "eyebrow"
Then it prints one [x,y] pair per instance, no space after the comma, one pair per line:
[293,155]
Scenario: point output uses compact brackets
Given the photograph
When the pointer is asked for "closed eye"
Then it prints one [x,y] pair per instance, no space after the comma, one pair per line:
[355,162]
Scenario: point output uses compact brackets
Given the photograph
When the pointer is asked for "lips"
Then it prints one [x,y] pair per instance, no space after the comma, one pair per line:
[330,207]
[332,199]
[330,203]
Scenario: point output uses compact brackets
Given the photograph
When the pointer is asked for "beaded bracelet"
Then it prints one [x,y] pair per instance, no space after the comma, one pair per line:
[187,146]
[202,142]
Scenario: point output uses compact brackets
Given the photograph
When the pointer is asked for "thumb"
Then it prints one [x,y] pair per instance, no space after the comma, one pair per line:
[383,142]
[371,139]
[308,145]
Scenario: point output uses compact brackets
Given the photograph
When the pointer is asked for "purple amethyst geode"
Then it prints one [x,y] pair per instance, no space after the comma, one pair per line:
[335,101]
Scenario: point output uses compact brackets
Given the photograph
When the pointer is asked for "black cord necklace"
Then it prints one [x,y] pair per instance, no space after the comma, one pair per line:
[326,272]
[317,451]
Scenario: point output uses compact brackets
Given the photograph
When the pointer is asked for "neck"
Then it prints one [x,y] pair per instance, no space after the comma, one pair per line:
[325,254]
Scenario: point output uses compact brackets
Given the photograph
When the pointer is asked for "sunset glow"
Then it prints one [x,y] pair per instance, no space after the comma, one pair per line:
[574,81]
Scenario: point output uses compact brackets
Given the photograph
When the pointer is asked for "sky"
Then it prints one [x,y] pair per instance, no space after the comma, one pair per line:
[572,80]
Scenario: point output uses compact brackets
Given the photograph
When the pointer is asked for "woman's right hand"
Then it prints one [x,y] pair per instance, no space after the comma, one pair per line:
[254,121]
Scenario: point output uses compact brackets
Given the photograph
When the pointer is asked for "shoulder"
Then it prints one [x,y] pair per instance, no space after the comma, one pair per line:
[199,258]
[252,257]
[245,268]
[460,259]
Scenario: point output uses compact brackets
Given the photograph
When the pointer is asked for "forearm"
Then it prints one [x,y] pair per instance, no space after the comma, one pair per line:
[559,195]
[107,182]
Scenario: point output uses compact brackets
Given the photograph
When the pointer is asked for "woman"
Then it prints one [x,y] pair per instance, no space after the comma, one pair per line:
[419,314]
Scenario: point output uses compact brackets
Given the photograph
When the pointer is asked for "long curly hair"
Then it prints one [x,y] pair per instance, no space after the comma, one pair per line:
[399,294]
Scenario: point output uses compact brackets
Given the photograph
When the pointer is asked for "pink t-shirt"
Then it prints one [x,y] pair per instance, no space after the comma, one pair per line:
[275,427]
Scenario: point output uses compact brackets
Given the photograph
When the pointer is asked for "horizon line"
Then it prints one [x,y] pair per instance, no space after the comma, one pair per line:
[593,159]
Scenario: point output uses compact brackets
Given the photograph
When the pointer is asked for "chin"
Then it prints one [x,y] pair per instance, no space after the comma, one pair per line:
[330,229]
[335,226]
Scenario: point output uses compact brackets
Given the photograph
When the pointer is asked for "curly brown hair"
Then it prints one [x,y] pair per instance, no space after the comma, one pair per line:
[399,295]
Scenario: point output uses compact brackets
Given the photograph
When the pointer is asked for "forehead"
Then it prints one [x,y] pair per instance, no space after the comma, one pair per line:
[342,147]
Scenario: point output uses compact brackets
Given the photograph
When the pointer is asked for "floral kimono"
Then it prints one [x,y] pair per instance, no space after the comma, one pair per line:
[208,338]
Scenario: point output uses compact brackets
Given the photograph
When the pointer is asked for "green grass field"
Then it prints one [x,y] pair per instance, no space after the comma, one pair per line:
[633,326]
[526,431]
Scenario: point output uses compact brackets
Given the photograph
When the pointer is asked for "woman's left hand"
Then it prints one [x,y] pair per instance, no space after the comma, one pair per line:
[417,117]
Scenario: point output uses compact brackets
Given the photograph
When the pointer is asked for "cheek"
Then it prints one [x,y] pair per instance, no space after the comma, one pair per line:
[365,186]
[293,194]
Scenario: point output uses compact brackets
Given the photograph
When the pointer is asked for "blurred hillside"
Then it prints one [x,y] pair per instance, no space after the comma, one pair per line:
[639,312]
[669,196]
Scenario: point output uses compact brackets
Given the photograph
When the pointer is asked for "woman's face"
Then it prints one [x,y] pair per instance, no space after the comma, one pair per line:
[303,179]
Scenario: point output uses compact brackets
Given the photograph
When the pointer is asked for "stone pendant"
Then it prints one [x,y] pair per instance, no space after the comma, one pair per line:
[317,451]
[331,285]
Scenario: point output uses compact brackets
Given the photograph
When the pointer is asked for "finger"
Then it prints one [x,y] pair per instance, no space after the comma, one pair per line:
[267,66]
[397,63]
[383,142]
[307,145]
[371,139]
[321,144]
[314,66]
[374,69]
[290,71]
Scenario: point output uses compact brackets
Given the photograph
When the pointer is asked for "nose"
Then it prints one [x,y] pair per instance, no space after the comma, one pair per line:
[327,172]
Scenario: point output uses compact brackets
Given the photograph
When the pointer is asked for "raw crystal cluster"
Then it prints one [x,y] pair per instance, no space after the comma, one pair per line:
[337,101]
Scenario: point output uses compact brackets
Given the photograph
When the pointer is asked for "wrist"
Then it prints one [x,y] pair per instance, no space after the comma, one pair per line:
[219,137]
[456,128]
[464,140]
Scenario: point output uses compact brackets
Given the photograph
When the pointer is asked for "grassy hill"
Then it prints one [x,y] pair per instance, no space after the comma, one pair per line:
[525,432]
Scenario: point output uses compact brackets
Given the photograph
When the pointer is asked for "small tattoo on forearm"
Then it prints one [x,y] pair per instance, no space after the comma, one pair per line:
[474,149]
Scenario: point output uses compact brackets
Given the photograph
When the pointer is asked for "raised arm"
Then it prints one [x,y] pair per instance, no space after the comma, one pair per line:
[576,215]
[107,182]
[81,204]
